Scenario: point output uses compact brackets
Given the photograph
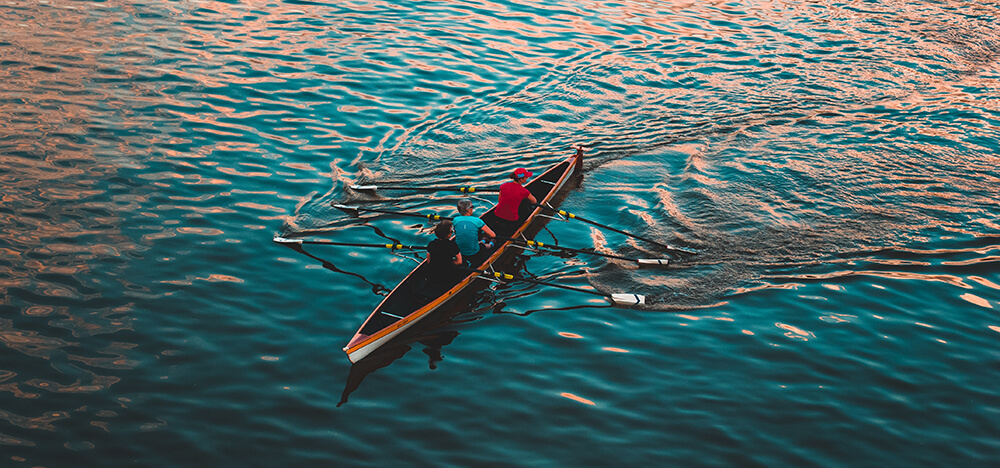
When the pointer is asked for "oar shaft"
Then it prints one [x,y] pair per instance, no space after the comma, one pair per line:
[531,243]
[618,299]
[619,231]
[432,217]
[393,246]
[507,276]
[463,189]
[560,286]
[569,215]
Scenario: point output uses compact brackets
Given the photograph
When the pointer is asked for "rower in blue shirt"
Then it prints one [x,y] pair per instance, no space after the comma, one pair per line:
[467,235]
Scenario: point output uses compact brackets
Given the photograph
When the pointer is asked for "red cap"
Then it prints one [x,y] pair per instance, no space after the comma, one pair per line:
[522,172]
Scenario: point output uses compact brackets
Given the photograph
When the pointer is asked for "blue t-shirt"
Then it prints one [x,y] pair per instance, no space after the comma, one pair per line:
[467,233]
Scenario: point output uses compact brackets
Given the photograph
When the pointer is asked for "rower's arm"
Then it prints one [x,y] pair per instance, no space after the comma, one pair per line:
[488,231]
[458,259]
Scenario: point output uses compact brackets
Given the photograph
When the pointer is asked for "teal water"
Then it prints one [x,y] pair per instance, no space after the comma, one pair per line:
[835,164]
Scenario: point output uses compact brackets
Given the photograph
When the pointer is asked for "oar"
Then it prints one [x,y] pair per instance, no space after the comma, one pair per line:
[354,210]
[569,215]
[455,188]
[285,240]
[617,299]
[376,288]
[640,261]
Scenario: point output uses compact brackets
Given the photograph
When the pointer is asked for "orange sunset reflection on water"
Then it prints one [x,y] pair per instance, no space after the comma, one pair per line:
[820,177]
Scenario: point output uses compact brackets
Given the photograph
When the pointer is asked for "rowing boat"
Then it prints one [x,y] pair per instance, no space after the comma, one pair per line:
[408,302]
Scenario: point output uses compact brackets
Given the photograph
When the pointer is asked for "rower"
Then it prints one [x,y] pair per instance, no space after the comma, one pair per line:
[512,196]
[442,258]
[467,235]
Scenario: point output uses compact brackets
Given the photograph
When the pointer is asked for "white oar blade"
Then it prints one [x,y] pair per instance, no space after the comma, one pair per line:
[364,187]
[284,240]
[628,299]
[653,261]
[350,209]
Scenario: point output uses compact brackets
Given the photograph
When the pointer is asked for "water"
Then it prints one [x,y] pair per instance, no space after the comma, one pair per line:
[833,162]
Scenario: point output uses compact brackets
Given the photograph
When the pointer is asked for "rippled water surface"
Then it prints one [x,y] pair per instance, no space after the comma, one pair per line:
[833,163]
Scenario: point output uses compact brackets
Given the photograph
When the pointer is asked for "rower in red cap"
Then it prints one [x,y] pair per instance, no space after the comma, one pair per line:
[511,195]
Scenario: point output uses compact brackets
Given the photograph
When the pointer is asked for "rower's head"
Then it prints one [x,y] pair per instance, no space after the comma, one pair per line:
[465,207]
[521,174]
[443,230]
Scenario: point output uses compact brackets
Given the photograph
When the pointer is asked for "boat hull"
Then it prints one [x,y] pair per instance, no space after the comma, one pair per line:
[407,305]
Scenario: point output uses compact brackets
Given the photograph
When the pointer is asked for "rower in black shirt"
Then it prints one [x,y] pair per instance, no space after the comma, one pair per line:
[442,258]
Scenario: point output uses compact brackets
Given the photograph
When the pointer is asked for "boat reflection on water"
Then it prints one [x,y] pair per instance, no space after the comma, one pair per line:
[439,330]
[433,335]
[433,341]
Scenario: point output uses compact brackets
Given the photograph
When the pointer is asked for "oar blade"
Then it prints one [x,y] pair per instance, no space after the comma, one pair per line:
[351,210]
[285,240]
[628,299]
[653,261]
[364,188]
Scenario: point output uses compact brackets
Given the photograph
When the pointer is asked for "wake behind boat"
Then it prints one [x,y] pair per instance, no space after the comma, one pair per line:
[409,302]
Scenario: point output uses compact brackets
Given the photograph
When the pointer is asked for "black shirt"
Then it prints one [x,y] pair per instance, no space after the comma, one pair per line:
[441,254]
